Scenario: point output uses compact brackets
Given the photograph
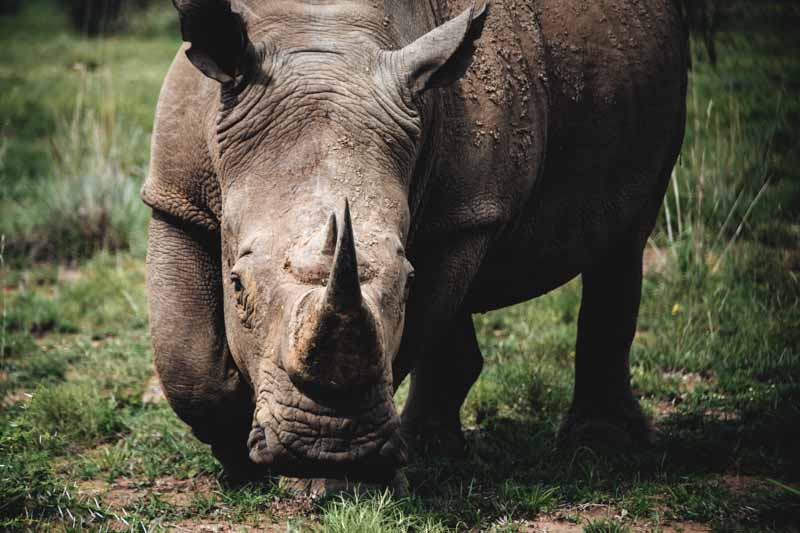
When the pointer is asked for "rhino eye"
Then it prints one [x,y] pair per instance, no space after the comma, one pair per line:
[236,281]
[409,284]
[243,301]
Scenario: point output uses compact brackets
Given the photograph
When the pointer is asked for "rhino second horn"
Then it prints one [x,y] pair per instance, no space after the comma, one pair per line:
[329,246]
[344,288]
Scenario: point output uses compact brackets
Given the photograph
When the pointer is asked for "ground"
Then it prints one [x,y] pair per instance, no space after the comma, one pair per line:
[86,441]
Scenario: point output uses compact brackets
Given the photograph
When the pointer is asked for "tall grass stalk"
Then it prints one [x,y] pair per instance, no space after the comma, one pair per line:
[90,200]
[3,311]
[716,185]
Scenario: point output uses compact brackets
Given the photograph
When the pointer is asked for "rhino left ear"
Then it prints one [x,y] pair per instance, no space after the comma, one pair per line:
[441,56]
[218,37]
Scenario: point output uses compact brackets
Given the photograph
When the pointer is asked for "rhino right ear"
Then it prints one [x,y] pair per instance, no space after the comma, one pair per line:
[441,56]
[218,37]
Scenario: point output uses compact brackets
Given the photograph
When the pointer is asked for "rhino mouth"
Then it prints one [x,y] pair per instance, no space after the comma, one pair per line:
[321,434]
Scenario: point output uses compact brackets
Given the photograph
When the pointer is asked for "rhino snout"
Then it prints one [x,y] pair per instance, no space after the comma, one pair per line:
[385,459]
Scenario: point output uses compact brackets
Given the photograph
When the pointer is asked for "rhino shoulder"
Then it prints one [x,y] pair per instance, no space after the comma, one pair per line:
[181,181]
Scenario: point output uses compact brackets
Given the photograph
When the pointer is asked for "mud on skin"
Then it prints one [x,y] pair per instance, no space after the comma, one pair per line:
[307,154]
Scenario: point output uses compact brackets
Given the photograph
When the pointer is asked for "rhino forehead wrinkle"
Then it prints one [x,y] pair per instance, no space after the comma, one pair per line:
[338,185]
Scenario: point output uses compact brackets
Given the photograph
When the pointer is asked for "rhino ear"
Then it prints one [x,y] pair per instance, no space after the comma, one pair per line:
[218,37]
[441,56]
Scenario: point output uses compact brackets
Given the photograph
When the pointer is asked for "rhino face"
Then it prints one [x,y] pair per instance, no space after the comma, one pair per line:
[316,140]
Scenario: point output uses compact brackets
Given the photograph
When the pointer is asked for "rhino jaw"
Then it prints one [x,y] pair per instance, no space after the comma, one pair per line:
[358,438]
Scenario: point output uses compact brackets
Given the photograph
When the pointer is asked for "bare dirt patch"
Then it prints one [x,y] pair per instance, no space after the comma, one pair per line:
[654,260]
[575,519]
[153,393]
[273,518]
[688,382]
[686,527]
[15,396]
[68,274]
[740,483]
[125,492]
[662,409]
[210,526]
[119,497]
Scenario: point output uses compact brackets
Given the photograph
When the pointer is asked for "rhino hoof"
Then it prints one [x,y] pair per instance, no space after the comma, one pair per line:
[237,468]
[438,441]
[629,432]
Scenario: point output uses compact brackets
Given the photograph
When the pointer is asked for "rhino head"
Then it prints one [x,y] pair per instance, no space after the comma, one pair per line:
[320,114]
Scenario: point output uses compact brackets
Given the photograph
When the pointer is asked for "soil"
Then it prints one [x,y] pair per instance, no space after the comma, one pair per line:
[153,393]
[575,519]
[126,493]
[14,396]
[654,260]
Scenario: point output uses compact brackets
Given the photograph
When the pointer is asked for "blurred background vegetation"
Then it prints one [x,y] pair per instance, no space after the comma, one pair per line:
[76,116]
[716,361]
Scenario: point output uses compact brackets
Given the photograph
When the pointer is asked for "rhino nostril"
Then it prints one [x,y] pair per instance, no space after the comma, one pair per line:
[259,446]
[236,280]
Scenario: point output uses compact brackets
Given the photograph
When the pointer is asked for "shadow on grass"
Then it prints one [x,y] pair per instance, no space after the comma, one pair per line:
[705,465]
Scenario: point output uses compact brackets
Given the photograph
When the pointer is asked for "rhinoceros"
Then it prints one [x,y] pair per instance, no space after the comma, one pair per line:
[338,186]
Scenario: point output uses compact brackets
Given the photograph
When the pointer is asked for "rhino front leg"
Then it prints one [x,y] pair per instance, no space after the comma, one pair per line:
[604,412]
[197,373]
[439,347]
[439,386]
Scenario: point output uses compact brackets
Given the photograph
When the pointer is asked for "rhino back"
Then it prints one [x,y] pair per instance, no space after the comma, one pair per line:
[599,107]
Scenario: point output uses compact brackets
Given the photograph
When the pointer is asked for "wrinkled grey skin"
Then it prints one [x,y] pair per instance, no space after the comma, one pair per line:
[499,151]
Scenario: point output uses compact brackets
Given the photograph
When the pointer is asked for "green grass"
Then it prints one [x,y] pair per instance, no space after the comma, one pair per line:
[357,514]
[716,360]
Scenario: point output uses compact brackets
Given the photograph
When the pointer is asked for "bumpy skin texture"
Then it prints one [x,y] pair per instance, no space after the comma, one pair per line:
[548,158]
[606,93]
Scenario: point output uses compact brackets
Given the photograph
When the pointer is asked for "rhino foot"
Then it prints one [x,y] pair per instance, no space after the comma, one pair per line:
[237,467]
[625,429]
[437,440]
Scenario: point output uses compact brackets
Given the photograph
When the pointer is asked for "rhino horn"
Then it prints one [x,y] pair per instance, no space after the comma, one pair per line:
[338,344]
[344,288]
[331,236]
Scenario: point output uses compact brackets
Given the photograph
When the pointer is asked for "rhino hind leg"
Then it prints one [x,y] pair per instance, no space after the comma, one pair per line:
[604,414]
[439,386]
